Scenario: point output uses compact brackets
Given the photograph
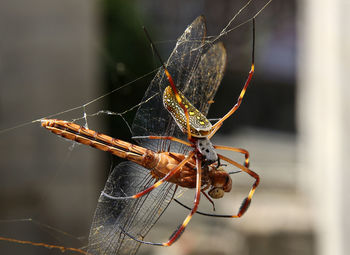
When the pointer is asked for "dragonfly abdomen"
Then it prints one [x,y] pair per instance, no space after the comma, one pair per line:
[122,149]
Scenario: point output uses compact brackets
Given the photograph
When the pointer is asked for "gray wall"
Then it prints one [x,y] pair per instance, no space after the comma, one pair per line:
[48,61]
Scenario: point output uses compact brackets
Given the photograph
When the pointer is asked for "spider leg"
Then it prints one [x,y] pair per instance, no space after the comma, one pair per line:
[240,150]
[218,124]
[246,202]
[179,101]
[178,232]
[171,138]
[182,227]
[172,84]
[157,184]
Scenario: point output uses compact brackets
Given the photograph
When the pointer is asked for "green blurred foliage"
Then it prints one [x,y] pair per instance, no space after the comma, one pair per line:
[126,57]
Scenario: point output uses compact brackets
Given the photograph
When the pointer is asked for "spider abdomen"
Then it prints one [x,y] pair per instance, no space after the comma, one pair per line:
[200,126]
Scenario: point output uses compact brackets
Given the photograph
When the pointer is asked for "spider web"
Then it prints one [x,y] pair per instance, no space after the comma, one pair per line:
[193,65]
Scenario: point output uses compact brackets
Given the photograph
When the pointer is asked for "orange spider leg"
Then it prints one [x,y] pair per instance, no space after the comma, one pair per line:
[179,100]
[158,183]
[49,246]
[240,150]
[172,84]
[218,124]
[246,202]
[171,138]
[181,227]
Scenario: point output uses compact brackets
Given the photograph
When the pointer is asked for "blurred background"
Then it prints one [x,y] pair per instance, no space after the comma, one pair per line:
[58,55]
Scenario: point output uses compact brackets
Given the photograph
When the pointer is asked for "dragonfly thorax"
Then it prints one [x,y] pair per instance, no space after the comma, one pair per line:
[206,148]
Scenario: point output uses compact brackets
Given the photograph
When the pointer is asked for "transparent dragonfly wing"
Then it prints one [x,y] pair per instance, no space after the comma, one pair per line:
[152,118]
[197,68]
[197,72]
[135,216]
[206,80]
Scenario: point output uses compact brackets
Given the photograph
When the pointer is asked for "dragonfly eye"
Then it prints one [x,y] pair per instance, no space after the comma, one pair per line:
[216,193]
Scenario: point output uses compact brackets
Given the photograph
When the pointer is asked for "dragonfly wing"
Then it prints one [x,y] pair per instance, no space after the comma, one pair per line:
[152,118]
[198,76]
[135,216]
[206,79]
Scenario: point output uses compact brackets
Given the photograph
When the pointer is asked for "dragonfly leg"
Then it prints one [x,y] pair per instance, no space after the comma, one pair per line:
[218,124]
[178,232]
[240,150]
[209,199]
[171,138]
[156,184]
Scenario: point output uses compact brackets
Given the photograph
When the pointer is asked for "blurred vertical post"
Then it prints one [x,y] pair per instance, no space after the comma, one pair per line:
[323,116]
[48,63]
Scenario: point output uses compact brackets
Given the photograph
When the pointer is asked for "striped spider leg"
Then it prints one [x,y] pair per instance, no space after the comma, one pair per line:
[199,130]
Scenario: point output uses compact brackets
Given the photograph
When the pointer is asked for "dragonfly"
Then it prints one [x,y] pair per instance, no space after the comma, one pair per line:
[139,190]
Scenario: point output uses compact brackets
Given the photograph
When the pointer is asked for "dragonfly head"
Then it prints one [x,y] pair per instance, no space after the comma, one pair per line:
[221,183]
[216,193]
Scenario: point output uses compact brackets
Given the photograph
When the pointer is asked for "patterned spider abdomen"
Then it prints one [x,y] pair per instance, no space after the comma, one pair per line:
[200,126]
